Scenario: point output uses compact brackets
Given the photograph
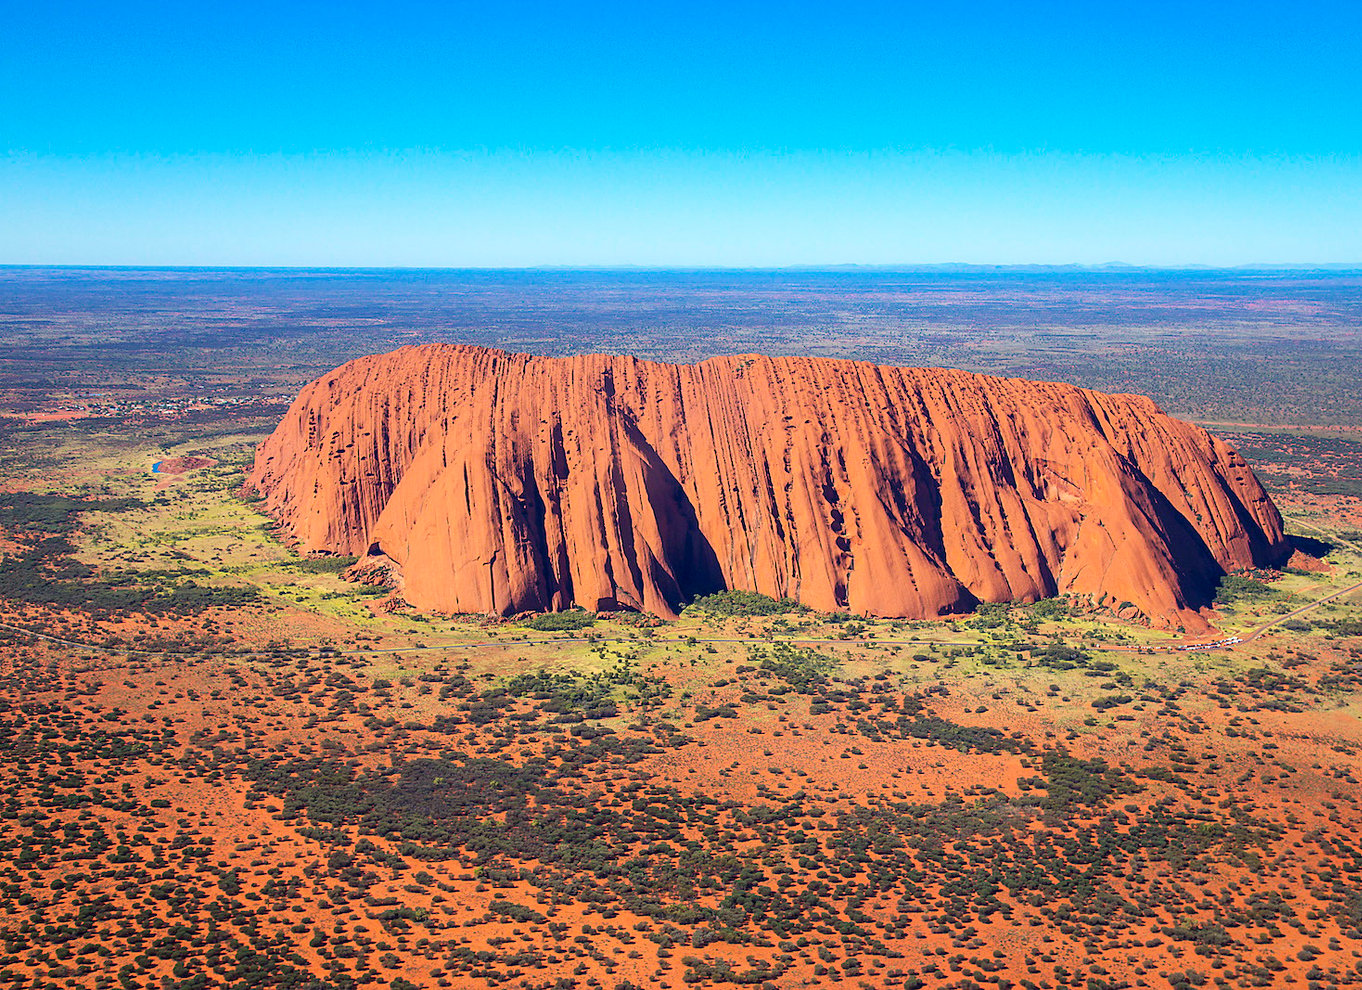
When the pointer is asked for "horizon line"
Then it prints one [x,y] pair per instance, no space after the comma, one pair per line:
[1109,266]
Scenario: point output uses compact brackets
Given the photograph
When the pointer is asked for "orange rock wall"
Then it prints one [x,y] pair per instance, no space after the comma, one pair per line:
[505,483]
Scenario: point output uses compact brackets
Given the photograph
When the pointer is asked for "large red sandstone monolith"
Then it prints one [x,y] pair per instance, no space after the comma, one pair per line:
[505,483]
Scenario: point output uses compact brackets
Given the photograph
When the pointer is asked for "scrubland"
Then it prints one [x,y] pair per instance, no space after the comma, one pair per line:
[228,766]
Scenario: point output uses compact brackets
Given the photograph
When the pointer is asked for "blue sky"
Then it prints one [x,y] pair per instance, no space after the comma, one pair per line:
[670,134]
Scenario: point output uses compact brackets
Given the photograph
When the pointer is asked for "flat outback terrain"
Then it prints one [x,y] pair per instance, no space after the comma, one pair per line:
[236,754]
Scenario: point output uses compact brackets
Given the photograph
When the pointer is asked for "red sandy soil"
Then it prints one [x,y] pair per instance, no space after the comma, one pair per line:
[179,465]
[55,415]
[1305,562]
[1345,509]
[1238,797]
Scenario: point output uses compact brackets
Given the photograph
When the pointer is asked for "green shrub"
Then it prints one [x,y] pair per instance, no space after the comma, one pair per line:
[516,912]
[726,603]
[321,565]
[802,668]
[1234,587]
[1060,657]
[1071,782]
[562,621]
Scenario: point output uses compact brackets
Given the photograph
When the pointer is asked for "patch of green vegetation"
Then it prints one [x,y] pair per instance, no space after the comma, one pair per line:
[1057,656]
[1341,627]
[1202,933]
[745,603]
[1050,609]
[965,738]
[1073,783]
[320,565]
[54,513]
[804,669]
[516,912]
[46,573]
[569,621]
[1237,587]
[991,615]
[572,697]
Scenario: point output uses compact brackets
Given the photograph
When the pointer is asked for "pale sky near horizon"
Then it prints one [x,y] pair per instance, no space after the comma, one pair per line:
[739,134]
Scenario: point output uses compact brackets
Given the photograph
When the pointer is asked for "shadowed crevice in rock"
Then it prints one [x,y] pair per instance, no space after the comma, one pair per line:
[1311,547]
[1198,571]
[688,567]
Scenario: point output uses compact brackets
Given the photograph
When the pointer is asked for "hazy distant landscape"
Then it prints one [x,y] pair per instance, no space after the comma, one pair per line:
[1252,346]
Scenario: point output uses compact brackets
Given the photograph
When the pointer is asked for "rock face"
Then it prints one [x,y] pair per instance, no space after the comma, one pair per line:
[502,483]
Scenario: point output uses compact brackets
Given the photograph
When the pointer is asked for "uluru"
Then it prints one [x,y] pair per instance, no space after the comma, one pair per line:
[502,483]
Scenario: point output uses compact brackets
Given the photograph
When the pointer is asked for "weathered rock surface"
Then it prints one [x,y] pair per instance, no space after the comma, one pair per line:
[503,483]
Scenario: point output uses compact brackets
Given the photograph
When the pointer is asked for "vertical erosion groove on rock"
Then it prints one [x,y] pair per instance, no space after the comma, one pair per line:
[505,483]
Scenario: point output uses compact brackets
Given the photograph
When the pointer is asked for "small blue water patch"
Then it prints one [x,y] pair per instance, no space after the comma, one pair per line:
[155,468]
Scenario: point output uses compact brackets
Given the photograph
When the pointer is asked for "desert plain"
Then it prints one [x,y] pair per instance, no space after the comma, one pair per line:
[227,765]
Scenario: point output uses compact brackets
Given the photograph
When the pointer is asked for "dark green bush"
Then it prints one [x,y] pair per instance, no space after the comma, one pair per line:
[727,603]
[562,621]
[1234,587]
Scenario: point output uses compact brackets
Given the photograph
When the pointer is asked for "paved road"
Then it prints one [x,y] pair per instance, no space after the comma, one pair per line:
[1259,630]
